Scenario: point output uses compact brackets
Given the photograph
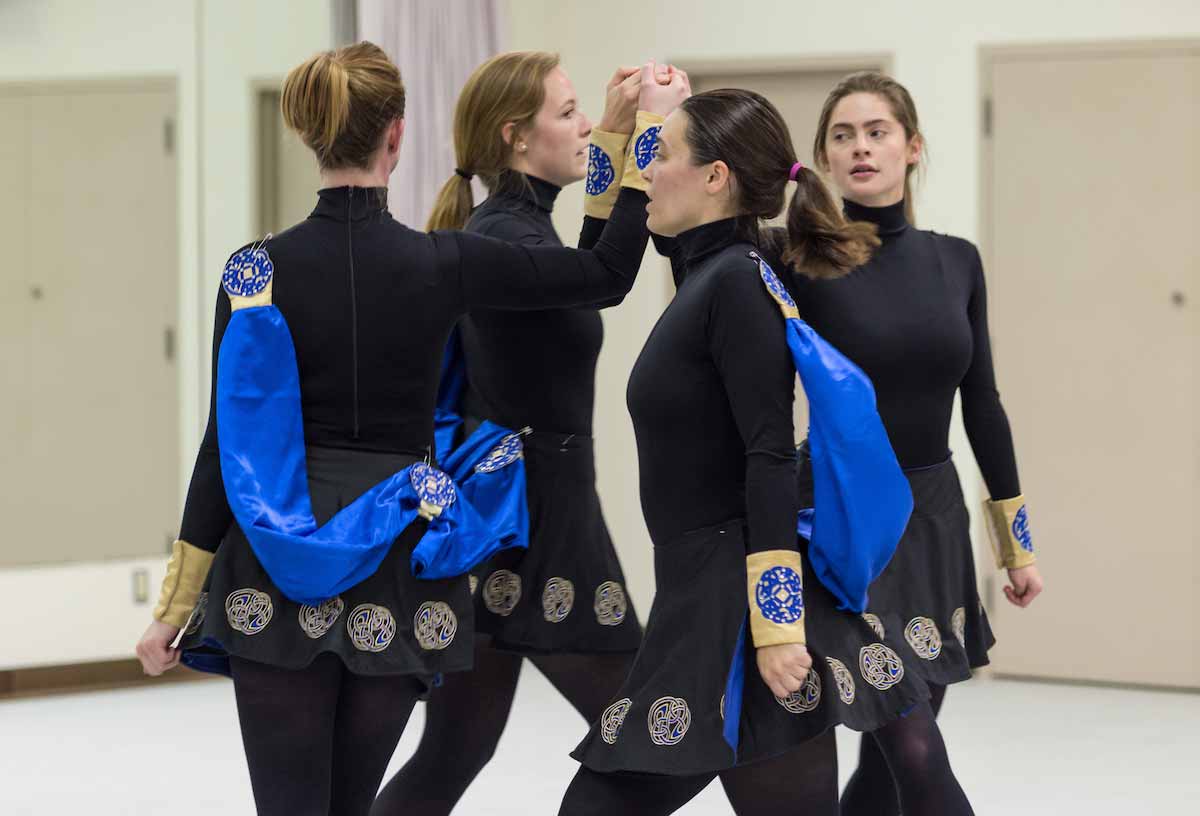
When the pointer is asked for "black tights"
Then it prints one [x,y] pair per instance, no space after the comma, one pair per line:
[466,716]
[903,768]
[318,740]
[802,782]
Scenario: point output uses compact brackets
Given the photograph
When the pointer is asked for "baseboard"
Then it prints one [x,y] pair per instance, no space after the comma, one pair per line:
[69,679]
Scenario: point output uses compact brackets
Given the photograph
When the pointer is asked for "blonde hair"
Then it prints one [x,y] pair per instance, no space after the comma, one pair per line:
[509,87]
[901,104]
[340,103]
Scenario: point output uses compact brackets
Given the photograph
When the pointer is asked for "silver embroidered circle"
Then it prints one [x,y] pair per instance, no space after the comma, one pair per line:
[611,604]
[958,624]
[472,583]
[557,599]
[248,272]
[501,592]
[316,621]
[875,623]
[880,666]
[508,451]
[371,627]
[196,619]
[433,487]
[806,698]
[843,679]
[249,611]
[722,706]
[612,719]
[668,720]
[923,636]
[434,625]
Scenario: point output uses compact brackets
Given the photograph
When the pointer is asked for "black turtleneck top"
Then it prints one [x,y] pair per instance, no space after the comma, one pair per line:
[914,318]
[711,399]
[535,369]
[370,303]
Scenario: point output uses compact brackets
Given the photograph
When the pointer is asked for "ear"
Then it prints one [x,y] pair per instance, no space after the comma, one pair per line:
[718,177]
[395,135]
[916,146]
[507,132]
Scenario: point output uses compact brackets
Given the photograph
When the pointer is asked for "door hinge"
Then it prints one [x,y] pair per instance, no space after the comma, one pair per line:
[169,136]
[987,117]
[169,343]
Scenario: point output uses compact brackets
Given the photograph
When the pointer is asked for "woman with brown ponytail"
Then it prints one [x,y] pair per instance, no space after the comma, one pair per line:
[561,603]
[747,663]
[914,318]
[358,308]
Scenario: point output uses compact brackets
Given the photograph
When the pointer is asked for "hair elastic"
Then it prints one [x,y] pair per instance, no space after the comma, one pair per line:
[796,168]
[464,173]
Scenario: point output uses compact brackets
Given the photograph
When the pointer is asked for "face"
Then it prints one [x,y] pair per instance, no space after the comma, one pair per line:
[868,151]
[682,194]
[556,146]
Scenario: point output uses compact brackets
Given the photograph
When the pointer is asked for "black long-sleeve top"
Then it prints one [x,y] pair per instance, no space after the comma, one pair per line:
[711,399]
[914,318]
[370,303]
[535,369]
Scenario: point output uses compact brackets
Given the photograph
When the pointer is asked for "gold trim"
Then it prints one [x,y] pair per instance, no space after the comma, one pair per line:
[764,631]
[612,145]
[1006,547]
[186,573]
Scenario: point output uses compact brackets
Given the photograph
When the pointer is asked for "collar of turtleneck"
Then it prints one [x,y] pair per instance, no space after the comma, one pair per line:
[350,203]
[890,220]
[537,192]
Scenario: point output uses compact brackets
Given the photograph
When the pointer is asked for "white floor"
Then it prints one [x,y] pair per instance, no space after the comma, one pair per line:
[1022,748]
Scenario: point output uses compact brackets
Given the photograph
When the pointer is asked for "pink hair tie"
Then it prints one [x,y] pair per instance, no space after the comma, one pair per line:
[796,168]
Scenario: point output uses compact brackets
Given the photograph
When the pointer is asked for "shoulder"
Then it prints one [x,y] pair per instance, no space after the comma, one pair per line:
[958,251]
[736,282]
[503,219]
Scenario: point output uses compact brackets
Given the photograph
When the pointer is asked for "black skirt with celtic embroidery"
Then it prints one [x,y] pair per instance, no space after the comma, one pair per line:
[390,623]
[566,593]
[669,717]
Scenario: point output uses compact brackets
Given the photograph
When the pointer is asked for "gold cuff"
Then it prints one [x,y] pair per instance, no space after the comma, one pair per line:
[1008,528]
[186,572]
[605,156]
[774,584]
[642,148]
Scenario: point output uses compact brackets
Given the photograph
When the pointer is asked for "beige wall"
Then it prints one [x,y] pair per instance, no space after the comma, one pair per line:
[934,48]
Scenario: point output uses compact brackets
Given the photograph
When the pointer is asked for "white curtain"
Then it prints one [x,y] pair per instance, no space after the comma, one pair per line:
[436,44]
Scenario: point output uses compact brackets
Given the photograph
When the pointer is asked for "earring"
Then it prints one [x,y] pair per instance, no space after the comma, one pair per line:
[521,147]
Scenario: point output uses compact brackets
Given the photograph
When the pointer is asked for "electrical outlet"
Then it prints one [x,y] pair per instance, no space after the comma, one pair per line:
[141,586]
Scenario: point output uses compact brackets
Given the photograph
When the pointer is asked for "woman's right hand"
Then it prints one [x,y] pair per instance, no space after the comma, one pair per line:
[621,101]
[154,649]
[658,97]
[784,667]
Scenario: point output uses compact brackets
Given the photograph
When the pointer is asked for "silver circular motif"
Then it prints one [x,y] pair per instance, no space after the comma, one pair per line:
[958,624]
[668,720]
[557,599]
[435,625]
[875,623]
[316,621]
[613,718]
[611,604]
[880,666]
[508,451]
[806,698]
[196,619]
[923,636]
[472,583]
[371,627]
[249,610]
[501,592]
[843,679]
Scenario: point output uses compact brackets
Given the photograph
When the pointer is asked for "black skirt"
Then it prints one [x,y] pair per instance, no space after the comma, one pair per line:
[668,718]
[390,623]
[566,593]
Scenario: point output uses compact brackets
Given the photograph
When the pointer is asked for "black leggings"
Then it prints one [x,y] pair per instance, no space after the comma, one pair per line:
[466,716]
[903,768]
[802,782]
[318,740]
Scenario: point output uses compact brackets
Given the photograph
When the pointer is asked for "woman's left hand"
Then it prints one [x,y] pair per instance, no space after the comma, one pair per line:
[1026,585]
[621,101]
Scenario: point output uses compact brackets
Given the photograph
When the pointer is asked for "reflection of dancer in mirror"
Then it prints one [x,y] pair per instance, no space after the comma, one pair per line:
[326,673]
[562,603]
[914,318]
[747,664]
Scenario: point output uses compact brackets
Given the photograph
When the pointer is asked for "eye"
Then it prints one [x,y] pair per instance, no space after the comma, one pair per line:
[568,114]
[878,133]
[839,137]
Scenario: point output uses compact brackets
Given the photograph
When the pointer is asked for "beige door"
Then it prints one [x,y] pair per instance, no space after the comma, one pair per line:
[799,95]
[287,175]
[1092,200]
[90,380]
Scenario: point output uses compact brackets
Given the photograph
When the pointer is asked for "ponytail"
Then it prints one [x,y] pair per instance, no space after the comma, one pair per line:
[821,242]
[453,205]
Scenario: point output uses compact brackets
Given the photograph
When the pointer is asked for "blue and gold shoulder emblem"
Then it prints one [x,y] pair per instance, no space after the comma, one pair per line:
[248,272]
[508,451]
[434,489]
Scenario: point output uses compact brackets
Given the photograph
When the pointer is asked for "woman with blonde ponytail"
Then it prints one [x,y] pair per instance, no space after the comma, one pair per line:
[313,562]
[561,603]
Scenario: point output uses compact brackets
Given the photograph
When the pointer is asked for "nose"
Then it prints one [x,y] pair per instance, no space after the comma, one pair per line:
[861,146]
[585,125]
[648,173]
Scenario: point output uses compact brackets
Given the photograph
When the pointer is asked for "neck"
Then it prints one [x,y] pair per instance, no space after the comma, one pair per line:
[884,199]
[374,176]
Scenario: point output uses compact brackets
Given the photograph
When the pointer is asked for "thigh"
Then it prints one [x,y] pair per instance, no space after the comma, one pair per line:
[474,706]
[587,681]
[601,794]
[371,714]
[802,781]
[287,720]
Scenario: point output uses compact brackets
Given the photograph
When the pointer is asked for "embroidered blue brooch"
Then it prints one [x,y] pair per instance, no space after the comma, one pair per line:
[1020,529]
[779,596]
[646,146]
[248,272]
[600,174]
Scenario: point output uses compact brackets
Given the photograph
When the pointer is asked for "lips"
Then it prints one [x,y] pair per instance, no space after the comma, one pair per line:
[861,171]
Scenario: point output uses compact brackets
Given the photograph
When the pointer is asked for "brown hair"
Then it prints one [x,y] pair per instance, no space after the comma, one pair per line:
[340,102]
[898,99]
[509,87]
[744,130]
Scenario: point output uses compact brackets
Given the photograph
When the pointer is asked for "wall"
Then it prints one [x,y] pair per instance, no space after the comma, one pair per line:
[934,48]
